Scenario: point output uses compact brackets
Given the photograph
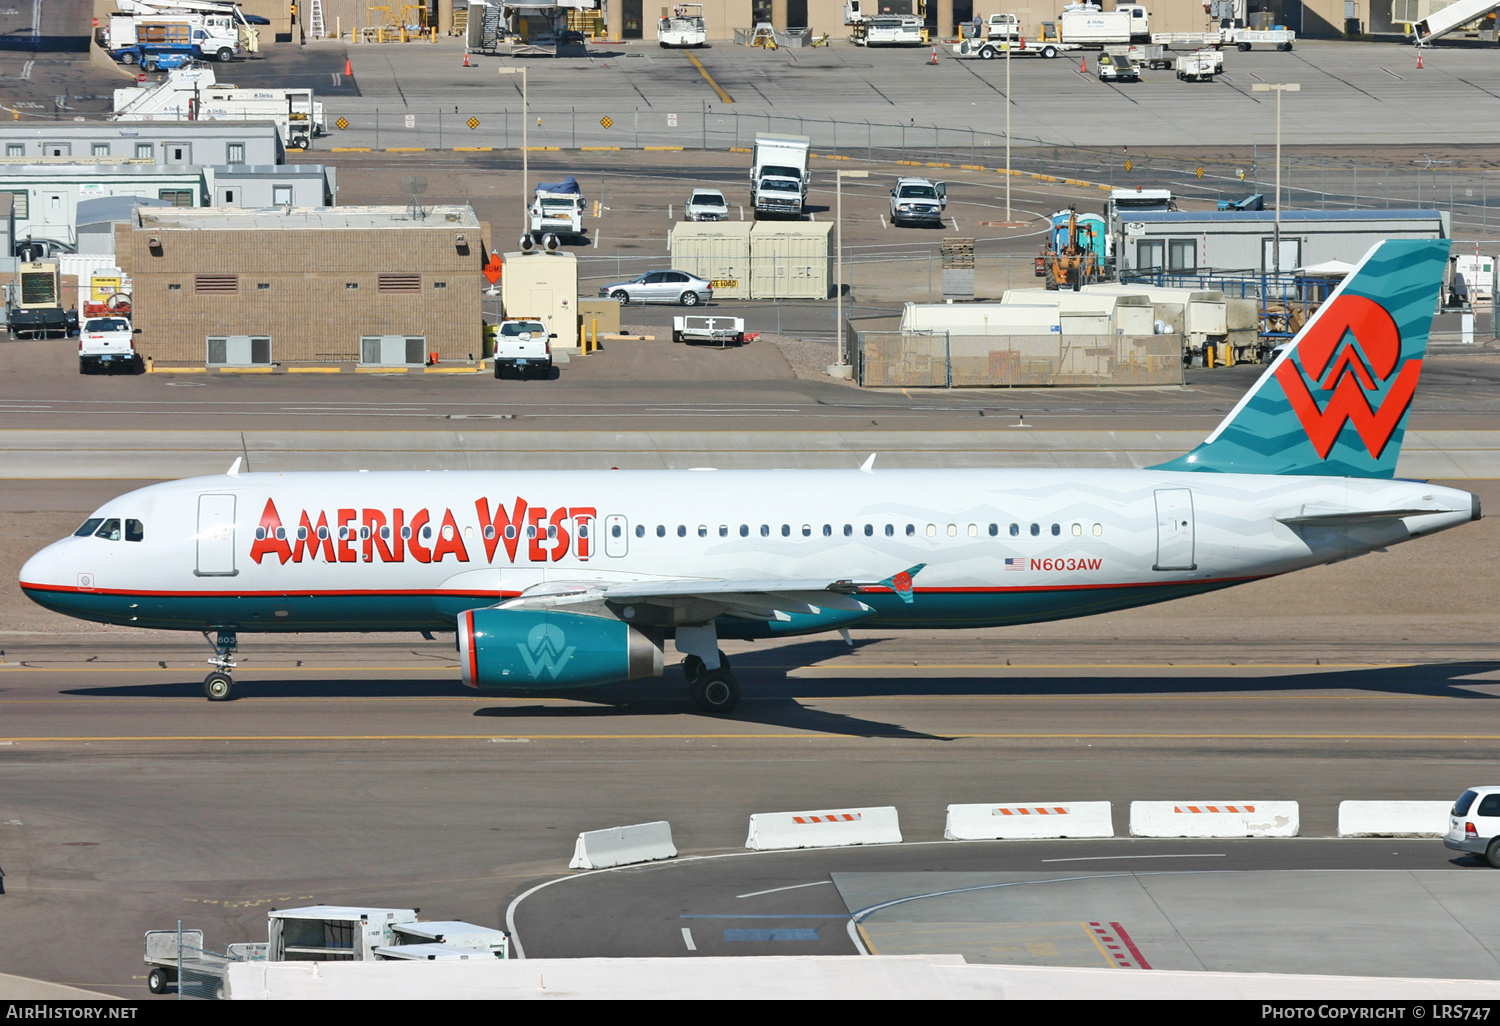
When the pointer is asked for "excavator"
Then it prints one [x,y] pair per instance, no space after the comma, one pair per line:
[1070,257]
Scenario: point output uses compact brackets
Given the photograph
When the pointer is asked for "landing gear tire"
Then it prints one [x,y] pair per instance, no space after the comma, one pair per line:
[1492,853]
[218,686]
[158,980]
[716,692]
[692,667]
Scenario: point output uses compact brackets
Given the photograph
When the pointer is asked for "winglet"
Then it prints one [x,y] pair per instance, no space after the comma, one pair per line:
[234,468]
[901,583]
[868,466]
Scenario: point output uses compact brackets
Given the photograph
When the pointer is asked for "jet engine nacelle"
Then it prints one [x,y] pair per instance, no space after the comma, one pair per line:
[529,648]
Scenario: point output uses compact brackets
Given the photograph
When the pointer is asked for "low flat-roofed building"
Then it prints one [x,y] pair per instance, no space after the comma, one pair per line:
[279,185]
[158,142]
[361,285]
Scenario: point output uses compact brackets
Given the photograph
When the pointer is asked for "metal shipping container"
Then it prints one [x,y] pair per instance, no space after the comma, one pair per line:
[789,260]
[717,251]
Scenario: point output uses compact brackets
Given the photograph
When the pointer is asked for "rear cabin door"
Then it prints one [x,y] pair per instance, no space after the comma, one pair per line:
[1174,529]
[216,536]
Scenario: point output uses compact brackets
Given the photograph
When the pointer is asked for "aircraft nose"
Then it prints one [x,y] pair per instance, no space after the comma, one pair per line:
[41,569]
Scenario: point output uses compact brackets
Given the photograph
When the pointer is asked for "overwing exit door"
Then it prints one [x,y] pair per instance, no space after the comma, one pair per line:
[216,536]
[1174,529]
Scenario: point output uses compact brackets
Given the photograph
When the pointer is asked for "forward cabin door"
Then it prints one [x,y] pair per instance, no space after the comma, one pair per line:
[1174,529]
[216,536]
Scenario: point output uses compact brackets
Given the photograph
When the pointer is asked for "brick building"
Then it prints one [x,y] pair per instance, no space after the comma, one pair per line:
[325,285]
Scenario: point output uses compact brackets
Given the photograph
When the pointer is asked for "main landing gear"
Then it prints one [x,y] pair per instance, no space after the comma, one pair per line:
[219,685]
[714,690]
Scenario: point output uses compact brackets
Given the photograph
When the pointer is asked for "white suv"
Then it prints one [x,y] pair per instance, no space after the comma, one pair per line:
[1474,824]
[918,200]
[707,205]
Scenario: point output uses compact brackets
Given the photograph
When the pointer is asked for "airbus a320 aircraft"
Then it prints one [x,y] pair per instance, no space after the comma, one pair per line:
[558,579]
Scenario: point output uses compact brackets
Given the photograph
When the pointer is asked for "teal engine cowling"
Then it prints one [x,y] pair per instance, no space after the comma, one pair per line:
[525,649]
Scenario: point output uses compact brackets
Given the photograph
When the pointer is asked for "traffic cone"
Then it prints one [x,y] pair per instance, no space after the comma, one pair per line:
[1419,59]
[1083,66]
[934,56]
[466,60]
[348,68]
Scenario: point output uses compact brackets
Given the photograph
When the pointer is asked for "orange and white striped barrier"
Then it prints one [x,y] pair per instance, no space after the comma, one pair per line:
[1214,819]
[1028,820]
[824,828]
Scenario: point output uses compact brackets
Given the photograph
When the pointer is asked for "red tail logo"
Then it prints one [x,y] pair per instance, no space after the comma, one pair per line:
[1351,374]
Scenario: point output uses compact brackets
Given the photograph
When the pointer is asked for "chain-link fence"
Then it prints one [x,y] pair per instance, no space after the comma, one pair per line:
[942,359]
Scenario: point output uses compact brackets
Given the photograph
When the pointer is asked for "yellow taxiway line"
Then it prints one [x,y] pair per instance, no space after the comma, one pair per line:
[723,96]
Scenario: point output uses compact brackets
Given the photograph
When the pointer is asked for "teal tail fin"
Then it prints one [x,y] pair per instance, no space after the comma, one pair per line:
[1335,403]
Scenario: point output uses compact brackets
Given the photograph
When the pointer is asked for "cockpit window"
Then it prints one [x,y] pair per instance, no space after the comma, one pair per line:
[89,527]
[134,530]
[109,531]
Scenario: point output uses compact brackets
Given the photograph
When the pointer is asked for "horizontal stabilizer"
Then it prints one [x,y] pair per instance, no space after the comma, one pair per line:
[1356,516]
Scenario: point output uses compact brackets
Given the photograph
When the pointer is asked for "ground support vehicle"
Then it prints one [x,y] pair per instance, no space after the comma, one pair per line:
[918,201]
[779,175]
[132,38]
[1188,40]
[1085,24]
[1070,258]
[522,345]
[1474,824]
[105,343]
[1200,65]
[1117,67]
[193,94]
[1247,38]
[722,330]
[684,27]
[893,30]
[986,50]
[34,306]
[1150,55]
[317,933]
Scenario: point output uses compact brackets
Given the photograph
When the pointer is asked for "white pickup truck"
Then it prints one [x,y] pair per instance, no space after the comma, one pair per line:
[524,346]
[105,342]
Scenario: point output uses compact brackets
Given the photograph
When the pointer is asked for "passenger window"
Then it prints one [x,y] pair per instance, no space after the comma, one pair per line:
[682,530]
[1489,805]
[614,531]
[385,533]
[932,530]
[994,530]
[807,530]
[827,530]
[661,530]
[427,533]
[640,530]
[786,530]
[848,530]
[109,530]
[552,531]
[723,530]
[744,530]
[302,533]
[530,531]
[1098,530]
[89,527]
[1056,530]
[869,530]
[489,532]
[890,530]
[911,529]
[1036,529]
[1077,530]
[952,530]
[1015,529]
[765,530]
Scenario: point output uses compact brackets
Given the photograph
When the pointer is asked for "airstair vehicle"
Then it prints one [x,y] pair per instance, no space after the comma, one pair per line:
[1440,23]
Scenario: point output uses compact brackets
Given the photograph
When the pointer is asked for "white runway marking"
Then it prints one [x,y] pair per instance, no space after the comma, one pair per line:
[1110,858]
[793,887]
[687,938]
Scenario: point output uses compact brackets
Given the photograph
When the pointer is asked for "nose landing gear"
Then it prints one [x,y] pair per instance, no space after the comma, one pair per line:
[219,685]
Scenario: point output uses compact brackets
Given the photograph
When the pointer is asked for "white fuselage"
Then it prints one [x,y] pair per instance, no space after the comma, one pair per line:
[410,550]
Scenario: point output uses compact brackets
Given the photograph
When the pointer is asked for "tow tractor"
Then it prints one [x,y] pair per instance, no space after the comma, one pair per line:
[317,933]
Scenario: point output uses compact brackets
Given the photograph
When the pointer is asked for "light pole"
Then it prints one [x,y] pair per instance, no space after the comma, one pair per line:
[1009,43]
[1278,88]
[525,177]
[838,217]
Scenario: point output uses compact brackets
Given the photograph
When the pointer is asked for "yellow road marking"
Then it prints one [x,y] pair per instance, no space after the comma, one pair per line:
[723,96]
[869,945]
[1098,944]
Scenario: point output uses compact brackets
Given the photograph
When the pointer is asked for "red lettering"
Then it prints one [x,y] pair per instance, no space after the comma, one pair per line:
[373,522]
[560,522]
[311,538]
[504,526]
[536,533]
[419,552]
[397,551]
[449,541]
[583,530]
[270,536]
[347,533]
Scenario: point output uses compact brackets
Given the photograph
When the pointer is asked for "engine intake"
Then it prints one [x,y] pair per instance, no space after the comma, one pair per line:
[523,649]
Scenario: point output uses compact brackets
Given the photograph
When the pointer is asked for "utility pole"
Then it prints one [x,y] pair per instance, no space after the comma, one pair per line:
[1278,88]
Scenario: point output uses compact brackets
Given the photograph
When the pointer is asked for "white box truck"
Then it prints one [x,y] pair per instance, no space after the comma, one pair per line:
[779,175]
[1087,25]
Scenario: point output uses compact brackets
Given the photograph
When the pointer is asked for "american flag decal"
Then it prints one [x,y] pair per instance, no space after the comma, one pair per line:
[1015,564]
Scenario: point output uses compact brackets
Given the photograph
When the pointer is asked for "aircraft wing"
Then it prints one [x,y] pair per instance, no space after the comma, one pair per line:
[703,599]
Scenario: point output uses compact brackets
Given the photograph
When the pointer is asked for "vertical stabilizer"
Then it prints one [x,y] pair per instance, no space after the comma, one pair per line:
[1336,401]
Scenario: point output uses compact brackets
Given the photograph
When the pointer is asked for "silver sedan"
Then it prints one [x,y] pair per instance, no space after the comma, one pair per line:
[661,287]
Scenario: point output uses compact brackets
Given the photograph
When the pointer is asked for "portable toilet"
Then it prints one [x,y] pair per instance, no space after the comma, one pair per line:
[716,251]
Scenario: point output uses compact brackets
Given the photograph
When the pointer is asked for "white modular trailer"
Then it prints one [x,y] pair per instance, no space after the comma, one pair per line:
[1200,315]
[543,286]
[981,318]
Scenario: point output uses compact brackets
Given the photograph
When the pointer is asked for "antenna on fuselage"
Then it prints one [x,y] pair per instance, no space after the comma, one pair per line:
[868,466]
[234,468]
